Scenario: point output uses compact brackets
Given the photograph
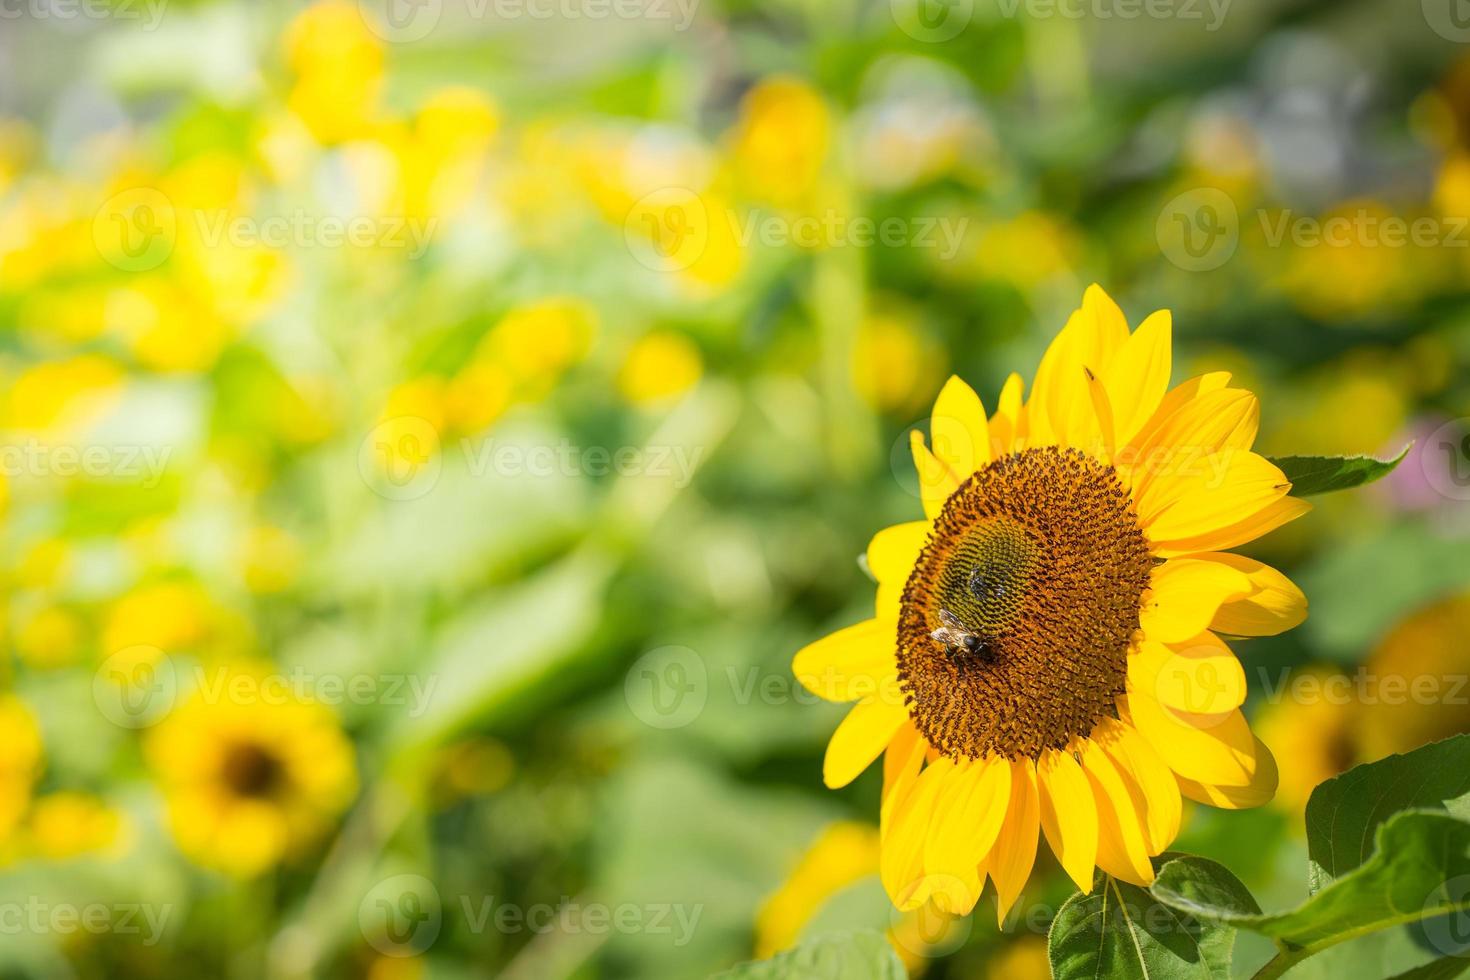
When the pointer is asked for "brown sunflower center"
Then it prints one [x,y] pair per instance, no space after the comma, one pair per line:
[1014,630]
[250,770]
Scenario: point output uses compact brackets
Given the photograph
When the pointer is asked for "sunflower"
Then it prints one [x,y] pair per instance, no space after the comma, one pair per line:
[251,781]
[1045,658]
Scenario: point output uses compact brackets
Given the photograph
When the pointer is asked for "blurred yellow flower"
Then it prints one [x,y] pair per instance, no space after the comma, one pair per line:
[1342,264]
[64,825]
[65,395]
[660,366]
[252,779]
[1418,673]
[170,616]
[781,140]
[1311,730]
[270,558]
[50,637]
[166,327]
[844,853]
[338,67]
[20,761]
[478,395]
[1026,251]
[895,367]
[1023,958]
[539,340]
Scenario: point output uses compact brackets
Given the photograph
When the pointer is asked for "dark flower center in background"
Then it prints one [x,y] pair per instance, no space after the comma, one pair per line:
[250,770]
[1037,567]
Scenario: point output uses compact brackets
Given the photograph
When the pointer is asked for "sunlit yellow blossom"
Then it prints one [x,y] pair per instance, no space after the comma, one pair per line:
[844,854]
[1418,675]
[1313,732]
[338,67]
[895,365]
[661,365]
[271,558]
[478,395]
[50,637]
[64,395]
[444,159]
[20,761]
[166,327]
[1026,251]
[250,780]
[171,616]
[781,139]
[1045,658]
[1023,958]
[539,340]
[64,825]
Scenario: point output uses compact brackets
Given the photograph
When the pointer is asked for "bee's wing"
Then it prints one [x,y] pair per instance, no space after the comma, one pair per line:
[949,618]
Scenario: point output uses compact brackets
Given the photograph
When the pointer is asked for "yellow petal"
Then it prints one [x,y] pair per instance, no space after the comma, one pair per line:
[936,480]
[1215,422]
[1014,853]
[904,829]
[1101,426]
[958,432]
[901,761]
[894,550]
[1005,424]
[1263,522]
[1068,815]
[1059,397]
[1259,791]
[969,816]
[1221,490]
[1273,606]
[1177,398]
[1139,375]
[1156,784]
[1215,749]
[1198,677]
[1122,850]
[1184,595]
[863,734]
[850,664]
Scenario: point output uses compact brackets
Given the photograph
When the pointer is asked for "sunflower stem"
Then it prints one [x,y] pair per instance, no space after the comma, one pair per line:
[1284,960]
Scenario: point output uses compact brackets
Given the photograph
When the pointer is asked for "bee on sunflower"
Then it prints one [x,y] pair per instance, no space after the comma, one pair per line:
[1045,658]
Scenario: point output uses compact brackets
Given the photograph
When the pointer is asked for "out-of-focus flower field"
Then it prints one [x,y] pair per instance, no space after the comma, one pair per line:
[429,430]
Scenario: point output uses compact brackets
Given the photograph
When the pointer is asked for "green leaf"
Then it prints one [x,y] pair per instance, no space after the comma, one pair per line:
[1311,475]
[1121,931]
[837,956]
[1420,869]
[1442,969]
[1345,811]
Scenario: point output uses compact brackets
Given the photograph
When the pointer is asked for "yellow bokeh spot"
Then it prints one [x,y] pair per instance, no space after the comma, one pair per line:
[51,637]
[781,139]
[64,825]
[895,366]
[660,366]
[338,65]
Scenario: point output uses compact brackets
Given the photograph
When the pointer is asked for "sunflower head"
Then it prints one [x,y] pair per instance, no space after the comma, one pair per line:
[252,777]
[1045,660]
